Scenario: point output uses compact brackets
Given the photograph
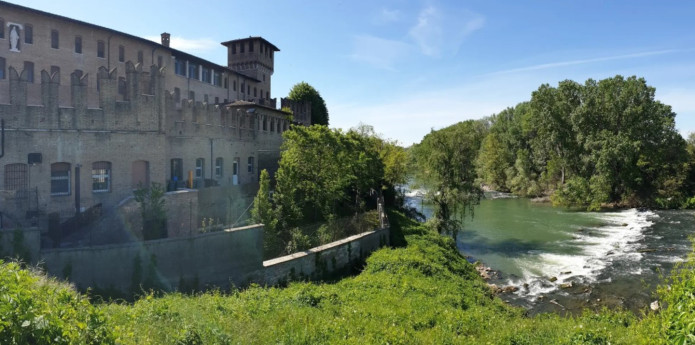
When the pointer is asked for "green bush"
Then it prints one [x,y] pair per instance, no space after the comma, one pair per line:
[37,310]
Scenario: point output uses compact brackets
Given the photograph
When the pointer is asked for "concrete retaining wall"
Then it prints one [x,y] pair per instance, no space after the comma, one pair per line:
[319,262]
[26,246]
[211,259]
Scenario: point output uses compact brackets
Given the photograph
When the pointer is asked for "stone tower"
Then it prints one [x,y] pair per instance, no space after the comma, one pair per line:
[253,57]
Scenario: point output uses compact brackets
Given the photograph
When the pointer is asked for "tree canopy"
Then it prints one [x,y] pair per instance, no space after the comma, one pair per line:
[305,92]
[592,144]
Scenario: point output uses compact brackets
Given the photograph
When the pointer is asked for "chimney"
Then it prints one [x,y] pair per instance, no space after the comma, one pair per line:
[165,39]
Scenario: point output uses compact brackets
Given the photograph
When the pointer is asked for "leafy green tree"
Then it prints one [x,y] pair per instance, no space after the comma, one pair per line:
[262,212]
[324,173]
[445,161]
[305,92]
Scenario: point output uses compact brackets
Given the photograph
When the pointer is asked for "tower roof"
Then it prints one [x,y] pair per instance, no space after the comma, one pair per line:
[251,38]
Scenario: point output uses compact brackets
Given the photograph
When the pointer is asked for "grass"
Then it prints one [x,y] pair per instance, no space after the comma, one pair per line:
[423,292]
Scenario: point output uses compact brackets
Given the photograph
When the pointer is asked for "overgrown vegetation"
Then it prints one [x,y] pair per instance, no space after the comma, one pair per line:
[38,310]
[422,293]
[326,183]
[153,210]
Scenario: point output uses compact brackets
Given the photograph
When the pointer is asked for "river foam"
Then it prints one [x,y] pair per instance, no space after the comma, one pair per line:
[616,240]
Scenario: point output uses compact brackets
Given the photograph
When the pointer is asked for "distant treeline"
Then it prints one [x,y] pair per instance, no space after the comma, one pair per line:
[600,143]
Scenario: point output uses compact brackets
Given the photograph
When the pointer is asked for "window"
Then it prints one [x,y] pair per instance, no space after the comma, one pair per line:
[255,92]
[78,44]
[121,53]
[180,67]
[100,49]
[242,88]
[177,169]
[54,39]
[2,67]
[101,177]
[141,57]
[219,167]
[121,86]
[248,89]
[54,70]
[2,28]
[250,164]
[160,61]
[200,168]
[234,85]
[206,75]
[250,47]
[216,78]
[272,126]
[29,70]
[28,34]
[241,48]
[233,48]
[226,83]
[267,95]
[193,71]
[16,176]
[177,94]
[60,179]
[265,124]
[217,100]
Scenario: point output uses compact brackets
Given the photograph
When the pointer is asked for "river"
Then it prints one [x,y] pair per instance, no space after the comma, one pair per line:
[564,261]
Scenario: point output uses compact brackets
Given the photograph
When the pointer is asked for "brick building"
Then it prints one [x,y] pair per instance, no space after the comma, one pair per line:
[91,113]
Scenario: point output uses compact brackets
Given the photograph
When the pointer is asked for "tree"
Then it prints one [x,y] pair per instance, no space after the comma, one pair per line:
[305,92]
[445,161]
[262,212]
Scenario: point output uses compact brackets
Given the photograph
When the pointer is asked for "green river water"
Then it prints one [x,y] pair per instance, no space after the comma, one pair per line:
[613,259]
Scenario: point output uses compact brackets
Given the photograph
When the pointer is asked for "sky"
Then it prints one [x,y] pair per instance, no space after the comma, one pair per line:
[407,67]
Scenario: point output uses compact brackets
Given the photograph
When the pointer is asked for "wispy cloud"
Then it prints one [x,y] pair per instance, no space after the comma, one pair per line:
[378,52]
[437,31]
[587,61]
[189,45]
[387,16]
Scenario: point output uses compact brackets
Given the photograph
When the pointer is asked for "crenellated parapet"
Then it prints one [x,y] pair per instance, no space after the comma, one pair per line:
[301,110]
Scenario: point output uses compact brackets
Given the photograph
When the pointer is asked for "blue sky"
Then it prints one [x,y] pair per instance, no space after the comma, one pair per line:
[406,67]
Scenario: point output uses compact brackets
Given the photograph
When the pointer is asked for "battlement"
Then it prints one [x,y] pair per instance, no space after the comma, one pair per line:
[301,110]
[136,102]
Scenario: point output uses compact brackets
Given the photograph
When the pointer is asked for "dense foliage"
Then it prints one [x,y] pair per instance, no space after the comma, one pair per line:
[325,175]
[37,310]
[605,142]
[305,92]
[444,164]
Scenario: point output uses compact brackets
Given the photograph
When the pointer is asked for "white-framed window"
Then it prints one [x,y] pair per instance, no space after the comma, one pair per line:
[199,168]
[101,177]
[60,179]
[219,167]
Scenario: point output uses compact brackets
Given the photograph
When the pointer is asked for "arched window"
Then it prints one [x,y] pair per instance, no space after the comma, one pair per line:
[16,176]
[60,179]
[101,177]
